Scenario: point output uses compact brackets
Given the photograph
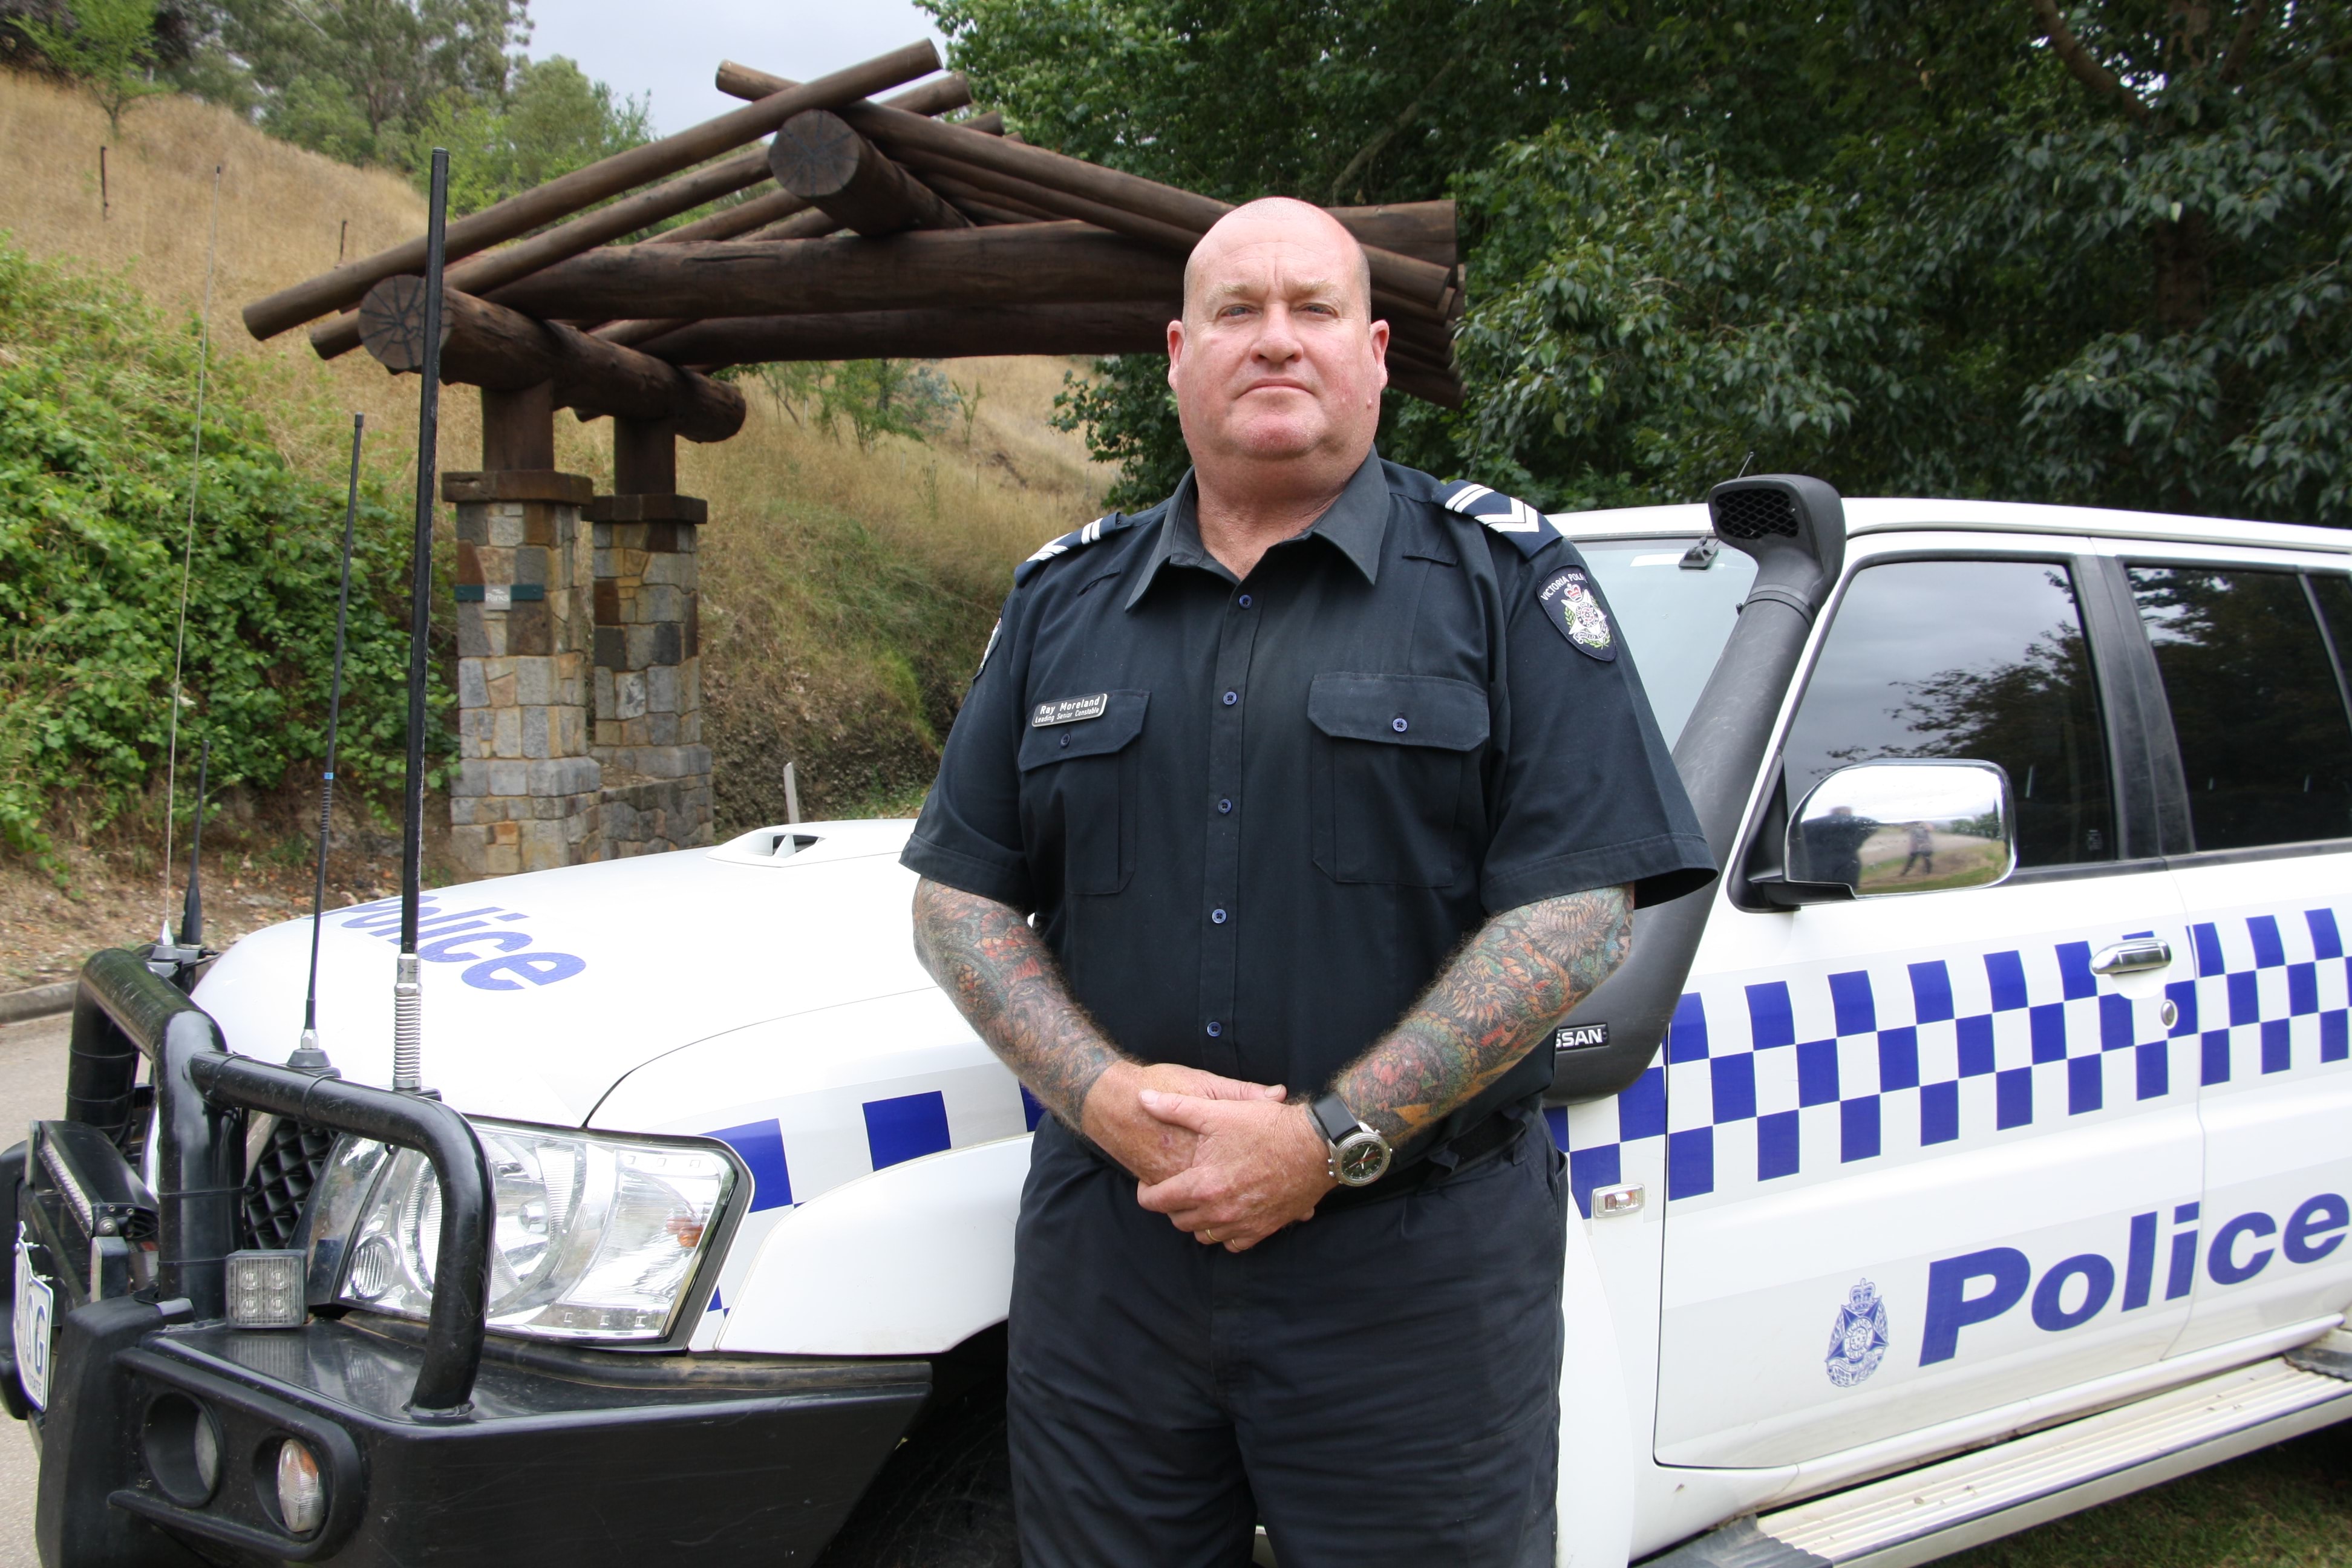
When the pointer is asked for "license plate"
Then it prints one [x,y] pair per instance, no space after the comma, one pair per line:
[36,1312]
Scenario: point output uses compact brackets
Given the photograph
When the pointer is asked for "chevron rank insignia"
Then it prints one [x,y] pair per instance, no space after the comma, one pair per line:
[1076,539]
[1515,519]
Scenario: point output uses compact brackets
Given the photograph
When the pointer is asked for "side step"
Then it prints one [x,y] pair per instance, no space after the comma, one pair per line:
[1930,1512]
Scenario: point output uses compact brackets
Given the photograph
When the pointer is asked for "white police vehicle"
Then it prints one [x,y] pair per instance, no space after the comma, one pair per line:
[1979,1149]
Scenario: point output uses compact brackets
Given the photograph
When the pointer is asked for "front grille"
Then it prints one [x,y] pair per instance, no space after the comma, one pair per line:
[1755,514]
[281,1181]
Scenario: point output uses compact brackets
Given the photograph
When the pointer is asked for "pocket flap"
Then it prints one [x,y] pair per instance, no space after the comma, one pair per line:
[1402,710]
[1057,739]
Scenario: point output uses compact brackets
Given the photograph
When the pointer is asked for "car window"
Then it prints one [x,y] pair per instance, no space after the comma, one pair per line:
[2335,592]
[1675,620]
[2264,741]
[1982,660]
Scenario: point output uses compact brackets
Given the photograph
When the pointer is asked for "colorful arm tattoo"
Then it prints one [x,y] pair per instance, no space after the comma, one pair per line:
[1003,979]
[1509,985]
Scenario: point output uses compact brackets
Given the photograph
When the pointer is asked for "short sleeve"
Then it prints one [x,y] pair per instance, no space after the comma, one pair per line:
[1586,795]
[968,836]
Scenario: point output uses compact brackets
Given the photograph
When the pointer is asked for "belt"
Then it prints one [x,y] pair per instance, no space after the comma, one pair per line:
[1425,1169]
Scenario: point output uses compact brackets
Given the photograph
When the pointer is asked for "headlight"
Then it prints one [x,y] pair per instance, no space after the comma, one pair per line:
[592,1237]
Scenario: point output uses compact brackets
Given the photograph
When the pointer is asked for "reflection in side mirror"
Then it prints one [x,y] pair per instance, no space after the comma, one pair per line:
[1906,827]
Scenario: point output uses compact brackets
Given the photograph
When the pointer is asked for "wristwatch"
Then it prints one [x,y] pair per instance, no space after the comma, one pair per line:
[1357,1155]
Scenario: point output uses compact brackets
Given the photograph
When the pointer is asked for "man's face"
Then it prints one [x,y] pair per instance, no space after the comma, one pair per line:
[1277,357]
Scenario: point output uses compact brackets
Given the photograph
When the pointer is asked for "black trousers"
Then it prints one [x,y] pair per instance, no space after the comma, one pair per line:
[1379,1385]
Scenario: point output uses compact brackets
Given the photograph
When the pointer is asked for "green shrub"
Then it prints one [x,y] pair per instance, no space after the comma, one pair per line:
[95,398]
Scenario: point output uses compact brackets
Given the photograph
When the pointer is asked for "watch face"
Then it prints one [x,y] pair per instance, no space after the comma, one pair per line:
[1363,1159]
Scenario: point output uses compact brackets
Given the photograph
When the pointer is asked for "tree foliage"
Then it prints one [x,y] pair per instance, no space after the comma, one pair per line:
[109,47]
[553,120]
[96,401]
[2092,253]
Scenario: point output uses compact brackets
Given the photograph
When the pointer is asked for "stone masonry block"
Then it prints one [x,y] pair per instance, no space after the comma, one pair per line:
[661,688]
[506,525]
[534,681]
[506,736]
[669,645]
[629,694]
[534,731]
[510,777]
[472,691]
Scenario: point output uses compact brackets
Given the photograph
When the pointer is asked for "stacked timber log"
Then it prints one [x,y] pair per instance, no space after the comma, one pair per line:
[886,232]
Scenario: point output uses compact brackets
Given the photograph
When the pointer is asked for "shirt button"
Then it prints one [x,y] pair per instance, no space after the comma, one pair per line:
[1065,740]
[1398,725]
[1245,601]
[1217,917]
[1216,1028]
[1231,698]
[1225,807]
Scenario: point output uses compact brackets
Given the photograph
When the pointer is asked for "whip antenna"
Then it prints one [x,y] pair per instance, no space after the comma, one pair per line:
[308,1057]
[407,991]
[188,558]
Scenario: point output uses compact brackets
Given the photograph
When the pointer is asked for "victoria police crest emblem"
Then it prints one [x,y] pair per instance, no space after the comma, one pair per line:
[1858,1338]
[1575,613]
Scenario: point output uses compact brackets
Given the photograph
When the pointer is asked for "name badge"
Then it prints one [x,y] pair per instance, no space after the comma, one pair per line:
[1070,710]
[1579,1036]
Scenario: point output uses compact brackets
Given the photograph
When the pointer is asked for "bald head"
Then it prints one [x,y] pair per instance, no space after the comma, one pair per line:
[1277,220]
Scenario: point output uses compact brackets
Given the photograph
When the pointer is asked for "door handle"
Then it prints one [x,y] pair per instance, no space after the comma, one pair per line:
[2131,957]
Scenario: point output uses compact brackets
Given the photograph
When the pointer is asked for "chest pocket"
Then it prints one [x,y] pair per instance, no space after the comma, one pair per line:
[1078,793]
[1395,776]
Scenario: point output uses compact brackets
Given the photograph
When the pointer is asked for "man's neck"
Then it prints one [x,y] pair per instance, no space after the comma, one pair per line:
[1242,516]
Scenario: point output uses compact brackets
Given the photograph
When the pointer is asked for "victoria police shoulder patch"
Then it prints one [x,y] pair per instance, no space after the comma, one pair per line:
[1858,1338]
[1515,519]
[1076,539]
[1575,613]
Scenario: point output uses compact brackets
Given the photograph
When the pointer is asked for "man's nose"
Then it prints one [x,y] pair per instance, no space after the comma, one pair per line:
[1277,341]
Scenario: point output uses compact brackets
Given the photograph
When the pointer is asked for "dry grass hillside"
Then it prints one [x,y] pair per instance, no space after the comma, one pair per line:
[847,592]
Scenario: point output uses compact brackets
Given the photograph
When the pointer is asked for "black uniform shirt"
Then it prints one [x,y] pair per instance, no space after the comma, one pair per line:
[1253,818]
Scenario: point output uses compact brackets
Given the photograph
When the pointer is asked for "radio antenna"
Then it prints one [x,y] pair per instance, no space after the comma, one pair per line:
[188,551]
[308,1057]
[407,991]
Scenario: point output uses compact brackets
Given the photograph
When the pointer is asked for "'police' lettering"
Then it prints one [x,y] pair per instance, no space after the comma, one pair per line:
[498,957]
[539,968]
[1950,1308]
[2314,1220]
[2236,1254]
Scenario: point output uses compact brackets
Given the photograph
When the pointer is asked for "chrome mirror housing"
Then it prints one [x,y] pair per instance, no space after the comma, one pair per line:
[1904,828]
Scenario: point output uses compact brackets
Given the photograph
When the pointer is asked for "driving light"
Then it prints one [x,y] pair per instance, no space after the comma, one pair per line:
[265,1290]
[592,1237]
[301,1491]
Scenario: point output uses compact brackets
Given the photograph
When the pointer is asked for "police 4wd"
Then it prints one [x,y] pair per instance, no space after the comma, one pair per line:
[1978,1150]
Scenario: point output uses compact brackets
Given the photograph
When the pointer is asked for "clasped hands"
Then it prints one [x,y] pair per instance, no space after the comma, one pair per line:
[1229,1163]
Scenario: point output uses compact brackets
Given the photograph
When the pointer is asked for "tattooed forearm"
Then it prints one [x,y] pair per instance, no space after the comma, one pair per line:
[1509,983]
[1003,980]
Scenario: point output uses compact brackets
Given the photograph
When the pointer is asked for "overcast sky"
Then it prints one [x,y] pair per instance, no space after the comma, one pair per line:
[670,47]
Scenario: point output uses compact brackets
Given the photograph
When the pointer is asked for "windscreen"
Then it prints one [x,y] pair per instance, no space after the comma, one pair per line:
[1674,619]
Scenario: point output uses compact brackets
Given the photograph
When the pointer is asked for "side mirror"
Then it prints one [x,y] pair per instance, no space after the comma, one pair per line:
[1901,827]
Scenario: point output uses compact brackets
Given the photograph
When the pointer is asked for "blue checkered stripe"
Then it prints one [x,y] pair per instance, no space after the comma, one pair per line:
[2269,997]
[896,1128]
[1794,1079]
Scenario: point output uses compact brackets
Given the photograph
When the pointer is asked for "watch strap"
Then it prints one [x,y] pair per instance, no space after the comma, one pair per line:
[1332,1117]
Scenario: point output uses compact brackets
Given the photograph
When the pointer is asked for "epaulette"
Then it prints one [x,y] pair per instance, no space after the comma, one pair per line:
[1076,539]
[1515,519]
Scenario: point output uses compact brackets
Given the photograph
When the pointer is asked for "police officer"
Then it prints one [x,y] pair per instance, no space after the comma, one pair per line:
[1281,824]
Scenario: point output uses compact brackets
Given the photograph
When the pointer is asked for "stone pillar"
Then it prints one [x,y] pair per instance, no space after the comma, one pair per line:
[527,792]
[648,695]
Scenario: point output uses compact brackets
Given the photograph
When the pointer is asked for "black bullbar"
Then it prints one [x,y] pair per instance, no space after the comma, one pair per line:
[165,1426]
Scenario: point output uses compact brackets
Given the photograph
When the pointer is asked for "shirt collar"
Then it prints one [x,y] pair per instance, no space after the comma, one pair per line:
[1357,523]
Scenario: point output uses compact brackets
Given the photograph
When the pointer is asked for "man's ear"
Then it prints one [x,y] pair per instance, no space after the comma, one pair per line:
[1175,348]
[1380,354]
